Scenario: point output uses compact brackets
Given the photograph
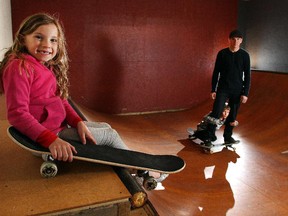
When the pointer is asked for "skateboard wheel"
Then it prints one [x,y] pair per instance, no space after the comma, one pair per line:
[149,183]
[208,151]
[48,169]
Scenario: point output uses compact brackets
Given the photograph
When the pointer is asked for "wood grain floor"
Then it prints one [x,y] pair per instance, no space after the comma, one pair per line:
[251,181]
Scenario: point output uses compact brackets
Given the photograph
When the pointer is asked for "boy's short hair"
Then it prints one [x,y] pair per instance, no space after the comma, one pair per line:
[235,33]
[227,107]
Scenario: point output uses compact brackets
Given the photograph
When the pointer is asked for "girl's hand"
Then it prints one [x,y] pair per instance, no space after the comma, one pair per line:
[84,133]
[62,150]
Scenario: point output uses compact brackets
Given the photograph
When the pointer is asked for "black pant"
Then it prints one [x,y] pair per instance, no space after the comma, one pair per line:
[219,104]
[208,134]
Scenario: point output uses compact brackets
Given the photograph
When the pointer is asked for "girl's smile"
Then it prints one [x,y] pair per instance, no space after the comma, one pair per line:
[43,42]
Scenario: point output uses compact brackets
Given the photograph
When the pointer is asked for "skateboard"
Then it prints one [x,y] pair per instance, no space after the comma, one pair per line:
[214,147]
[218,147]
[163,164]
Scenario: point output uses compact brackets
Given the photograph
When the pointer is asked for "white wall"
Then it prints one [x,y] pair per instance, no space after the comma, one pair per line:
[6,37]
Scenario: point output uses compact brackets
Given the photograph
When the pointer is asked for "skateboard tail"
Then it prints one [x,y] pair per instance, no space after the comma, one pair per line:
[30,147]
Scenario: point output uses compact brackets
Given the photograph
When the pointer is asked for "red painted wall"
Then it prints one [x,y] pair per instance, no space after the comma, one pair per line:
[136,56]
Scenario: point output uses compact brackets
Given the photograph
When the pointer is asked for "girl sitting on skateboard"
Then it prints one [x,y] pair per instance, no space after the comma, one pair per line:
[203,134]
[34,74]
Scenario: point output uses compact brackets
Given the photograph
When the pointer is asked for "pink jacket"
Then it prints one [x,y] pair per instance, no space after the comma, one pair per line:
[32,104]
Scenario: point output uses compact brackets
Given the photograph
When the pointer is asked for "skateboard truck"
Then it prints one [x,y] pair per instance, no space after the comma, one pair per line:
[149,182]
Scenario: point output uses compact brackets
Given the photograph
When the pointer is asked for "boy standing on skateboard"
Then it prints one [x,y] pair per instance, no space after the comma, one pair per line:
[231,82]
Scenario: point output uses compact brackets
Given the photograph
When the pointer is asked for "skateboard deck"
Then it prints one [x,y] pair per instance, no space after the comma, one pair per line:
[164,164]
[215,147]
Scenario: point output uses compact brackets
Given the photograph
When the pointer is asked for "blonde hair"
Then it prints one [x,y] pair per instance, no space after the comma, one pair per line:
[59,64]
[226,107]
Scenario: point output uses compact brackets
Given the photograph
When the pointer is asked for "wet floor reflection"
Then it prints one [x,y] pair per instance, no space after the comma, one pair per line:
[209,190]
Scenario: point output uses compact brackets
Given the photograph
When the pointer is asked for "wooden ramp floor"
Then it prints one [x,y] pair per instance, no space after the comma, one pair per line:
[251,181]
[80,188]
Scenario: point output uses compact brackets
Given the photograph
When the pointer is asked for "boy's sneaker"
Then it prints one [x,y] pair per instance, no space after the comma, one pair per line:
[192,137]
[208,143]
[231,140]
[192,134]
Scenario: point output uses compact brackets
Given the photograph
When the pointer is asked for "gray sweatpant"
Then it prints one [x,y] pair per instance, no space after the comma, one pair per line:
[102,132]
